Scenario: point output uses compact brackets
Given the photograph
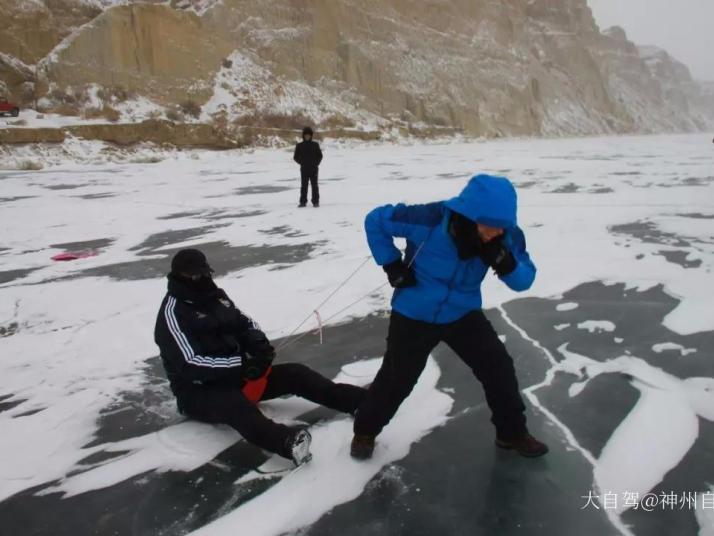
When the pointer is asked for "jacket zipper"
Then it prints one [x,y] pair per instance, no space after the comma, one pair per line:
[448,292]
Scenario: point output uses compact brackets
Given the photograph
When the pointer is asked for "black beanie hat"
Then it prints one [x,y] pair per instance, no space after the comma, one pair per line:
[190,262]
[306,131]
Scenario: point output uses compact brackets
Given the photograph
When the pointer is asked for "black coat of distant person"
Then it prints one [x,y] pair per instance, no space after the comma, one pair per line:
[309,155]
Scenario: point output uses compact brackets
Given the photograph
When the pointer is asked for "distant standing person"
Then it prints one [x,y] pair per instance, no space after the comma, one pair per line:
[309,156]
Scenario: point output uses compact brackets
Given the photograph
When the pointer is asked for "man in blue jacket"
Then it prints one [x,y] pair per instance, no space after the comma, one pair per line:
[450,247]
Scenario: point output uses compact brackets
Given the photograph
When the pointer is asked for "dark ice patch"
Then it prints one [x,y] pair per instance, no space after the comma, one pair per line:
[179,215]
[101,195]
[7,402]
[647,231]
[230,215]
[601,190]
[9,329]
[689,181]
[396,176]
[15,198]
[568,188]
[208,172]
[99,243]
[6,276]
[141,412]
[697,216]
[283,230]
[679,257]
[213,214]
[593,158]
[223,257]
[165,238]
[28,413]
[261,189]
[64,186]
[97,458]
[593,414]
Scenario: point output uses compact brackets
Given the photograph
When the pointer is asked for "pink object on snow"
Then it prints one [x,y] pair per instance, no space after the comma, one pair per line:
[74,255]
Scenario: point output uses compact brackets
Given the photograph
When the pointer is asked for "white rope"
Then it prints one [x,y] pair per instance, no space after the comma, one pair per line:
[316,309]
[323,321]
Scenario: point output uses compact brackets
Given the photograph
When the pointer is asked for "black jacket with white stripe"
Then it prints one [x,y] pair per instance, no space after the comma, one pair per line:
[202,336]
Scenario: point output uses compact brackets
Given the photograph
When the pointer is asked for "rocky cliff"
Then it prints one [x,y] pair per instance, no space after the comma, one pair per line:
[478,66]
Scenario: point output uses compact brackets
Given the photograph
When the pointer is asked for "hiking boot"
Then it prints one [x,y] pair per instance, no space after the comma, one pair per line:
[302,205]
[362,447]
[299,447]
[316,204]
[526,445]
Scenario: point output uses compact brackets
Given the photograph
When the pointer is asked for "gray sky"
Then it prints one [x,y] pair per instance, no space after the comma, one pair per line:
[684,28]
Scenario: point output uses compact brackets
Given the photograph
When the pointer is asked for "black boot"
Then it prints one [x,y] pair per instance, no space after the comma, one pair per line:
[526,445]
[362,447]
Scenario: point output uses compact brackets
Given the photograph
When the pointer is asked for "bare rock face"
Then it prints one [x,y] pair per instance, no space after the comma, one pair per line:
[31,29]
[15,77]
[152,50]
[678,87]
[477,66]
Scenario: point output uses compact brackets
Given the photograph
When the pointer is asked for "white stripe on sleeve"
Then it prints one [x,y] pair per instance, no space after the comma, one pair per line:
[188,353]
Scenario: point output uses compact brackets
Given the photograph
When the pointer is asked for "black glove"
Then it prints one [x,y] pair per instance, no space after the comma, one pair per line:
[257,344]
[260,354]
[497,256]
[255,367]
[400,275]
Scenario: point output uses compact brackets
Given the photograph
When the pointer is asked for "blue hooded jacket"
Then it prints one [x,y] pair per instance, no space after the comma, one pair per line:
[447,287]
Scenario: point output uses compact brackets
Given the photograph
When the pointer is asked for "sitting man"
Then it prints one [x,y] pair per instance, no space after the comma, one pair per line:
[219,363]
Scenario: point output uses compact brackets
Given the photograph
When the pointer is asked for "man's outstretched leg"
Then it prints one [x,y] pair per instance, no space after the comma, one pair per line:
[477,344]
[228,405]
[408,346]
[302,381]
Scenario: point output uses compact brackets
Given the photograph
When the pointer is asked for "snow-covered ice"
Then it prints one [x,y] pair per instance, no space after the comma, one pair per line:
[76,337]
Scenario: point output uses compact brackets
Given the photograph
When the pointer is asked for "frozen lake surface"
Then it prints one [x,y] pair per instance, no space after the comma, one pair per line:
[613,345]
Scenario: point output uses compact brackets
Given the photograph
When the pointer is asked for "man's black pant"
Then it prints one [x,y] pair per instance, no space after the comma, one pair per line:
[409,344]
[308,176]
[227,404]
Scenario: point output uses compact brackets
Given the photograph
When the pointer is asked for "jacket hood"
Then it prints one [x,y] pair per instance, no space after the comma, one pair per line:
[487,199]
